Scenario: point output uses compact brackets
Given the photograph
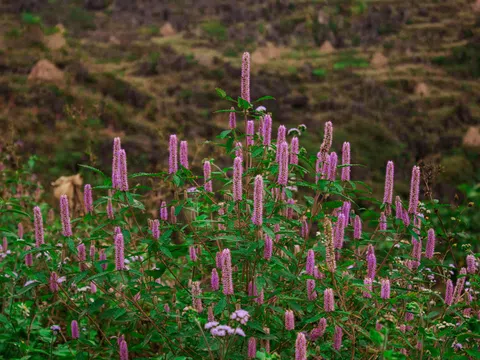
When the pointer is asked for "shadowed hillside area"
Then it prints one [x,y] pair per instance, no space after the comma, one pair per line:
[400,79]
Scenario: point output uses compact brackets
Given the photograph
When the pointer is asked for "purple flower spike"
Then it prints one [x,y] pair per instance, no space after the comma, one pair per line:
[163,211]
[122,163]
[65,214]
[346,161]
[449,292]
[245,85]
[267,130]
[414,190]
[20,230]
[311,293]
[471,264]
[332,166]
[301,347]
[207,174]
[388,193]
[110,213]
[328,300]
[93,287]
[337,338]
[357,228]
[310,265]
[5,242]
[398,208]
[339,231]
[385,290]
[232,119]
[119,252]
[88,199]
[103,257]
[38,224]
[367,293]
[281,137]
[193,253]
[346,207]
[459,286]
[184,154]
[155,227]
[227,272]
[74,329]
[382,222]
[257,217]
[289,320]
[215,280]
[237,178]
[371,265]
[283,164]
[115,170]
[252,348]
[238,150]
[294,150]
[430,249]
[268,247]
[173,155]
[53,283]
[28,257]
[123,350]
[250,131]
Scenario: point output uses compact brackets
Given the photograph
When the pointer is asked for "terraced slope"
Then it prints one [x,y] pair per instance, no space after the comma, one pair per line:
[401,75]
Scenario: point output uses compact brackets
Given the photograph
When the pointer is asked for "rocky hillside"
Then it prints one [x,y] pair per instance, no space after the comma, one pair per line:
[403,76]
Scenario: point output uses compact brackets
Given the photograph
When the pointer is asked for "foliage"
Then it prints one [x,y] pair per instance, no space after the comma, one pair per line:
[155,305]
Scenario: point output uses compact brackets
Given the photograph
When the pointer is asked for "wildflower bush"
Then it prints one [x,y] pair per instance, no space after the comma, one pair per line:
[281,254]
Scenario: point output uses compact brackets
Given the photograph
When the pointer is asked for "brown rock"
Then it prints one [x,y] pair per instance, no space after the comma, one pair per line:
[422,89]
[266,53]
[55,41]
[70,186]
[379,60]
[327,48]
[476,6]
[45,71]
[167,30]
[472,137]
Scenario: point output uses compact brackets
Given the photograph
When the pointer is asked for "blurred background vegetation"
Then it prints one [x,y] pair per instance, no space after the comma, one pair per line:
[399,79]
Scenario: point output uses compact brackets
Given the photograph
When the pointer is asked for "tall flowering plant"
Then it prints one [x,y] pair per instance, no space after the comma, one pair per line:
[272,251]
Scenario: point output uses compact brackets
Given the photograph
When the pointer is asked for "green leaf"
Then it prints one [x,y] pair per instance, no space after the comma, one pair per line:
[165,251]
[376,337]
[224,134]
[220,305]
[268,97]
[243,104]
[93,169]
[221,93]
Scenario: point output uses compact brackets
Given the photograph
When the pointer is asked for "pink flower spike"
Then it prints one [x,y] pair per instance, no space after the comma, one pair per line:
[232,119]
[184,154]
[245,83]
[88,199]
[301,347]
[294,150]
[65,214]
[207,174]
[328,300]
[346,161]
[38,224]
[257,217]
[414,190]
[289,320]
[173,155]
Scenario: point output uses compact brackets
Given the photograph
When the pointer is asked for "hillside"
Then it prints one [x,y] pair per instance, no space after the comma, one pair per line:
[402,76]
